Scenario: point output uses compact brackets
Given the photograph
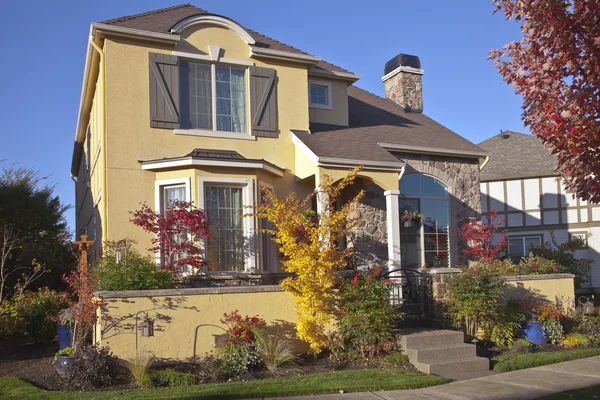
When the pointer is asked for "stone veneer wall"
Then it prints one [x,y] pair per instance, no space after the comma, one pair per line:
[369,236]
[406,89]
[462,177]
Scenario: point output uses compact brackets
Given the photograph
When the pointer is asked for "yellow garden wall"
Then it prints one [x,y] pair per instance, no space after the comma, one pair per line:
[187,321]
[556,288]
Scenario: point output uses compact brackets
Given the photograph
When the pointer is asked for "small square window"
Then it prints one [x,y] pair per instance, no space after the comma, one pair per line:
[581,236]
[320,94]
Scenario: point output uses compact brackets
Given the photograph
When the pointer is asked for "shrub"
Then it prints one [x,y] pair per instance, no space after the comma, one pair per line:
[139,369]
[66,352]
[366,316]
[504,329]
[210,369]
[475,297]
[240,353]
[588,325]
[94,368]
[521,346]
[536,265]
[577,340]
[274,350]
[554,331]
[238,359]
[169,377]
[564,256]
[31,313]
[394,359]
[142,273]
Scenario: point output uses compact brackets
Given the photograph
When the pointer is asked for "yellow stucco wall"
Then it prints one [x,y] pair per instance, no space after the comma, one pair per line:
[187,321]
[338,115]
[559,288]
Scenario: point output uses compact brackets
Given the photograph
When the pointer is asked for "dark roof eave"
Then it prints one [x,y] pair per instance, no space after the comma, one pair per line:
[392,147]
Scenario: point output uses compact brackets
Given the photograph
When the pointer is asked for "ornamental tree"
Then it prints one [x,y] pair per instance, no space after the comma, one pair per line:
[178,233]
[486,240]
[309,245]
[556,68]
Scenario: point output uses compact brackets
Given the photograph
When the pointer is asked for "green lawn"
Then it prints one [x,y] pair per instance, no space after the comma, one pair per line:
[333,382]
[589,393]
[512,362]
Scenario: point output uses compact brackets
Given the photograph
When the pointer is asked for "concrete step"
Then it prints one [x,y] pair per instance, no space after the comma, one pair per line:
[430,354]
[455,368]
[417,337]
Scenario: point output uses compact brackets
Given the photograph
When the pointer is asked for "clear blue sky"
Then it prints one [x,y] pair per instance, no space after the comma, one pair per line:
[44,42]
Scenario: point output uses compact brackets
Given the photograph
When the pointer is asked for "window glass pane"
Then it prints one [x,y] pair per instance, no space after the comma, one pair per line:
[172,193]
[231,99]
[195,95]
[515,248]
[224,210]
[318,94]
[531,242]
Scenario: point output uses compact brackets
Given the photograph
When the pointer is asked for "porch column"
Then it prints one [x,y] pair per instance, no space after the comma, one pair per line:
[393,227]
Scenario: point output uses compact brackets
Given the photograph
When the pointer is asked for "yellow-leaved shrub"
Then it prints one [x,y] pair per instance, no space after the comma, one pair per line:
[309,244]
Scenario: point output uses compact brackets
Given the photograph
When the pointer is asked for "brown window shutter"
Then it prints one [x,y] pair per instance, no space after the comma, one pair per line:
[164,91]
[263,102]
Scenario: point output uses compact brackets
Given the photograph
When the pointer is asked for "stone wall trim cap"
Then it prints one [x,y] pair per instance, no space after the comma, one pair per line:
[537,277]
[188,291]
[444,270]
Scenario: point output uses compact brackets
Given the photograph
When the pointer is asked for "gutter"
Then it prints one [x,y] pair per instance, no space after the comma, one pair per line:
[346,76]
[432,150]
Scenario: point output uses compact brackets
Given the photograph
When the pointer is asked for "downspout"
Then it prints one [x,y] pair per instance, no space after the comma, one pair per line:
[487,158]
[104,192]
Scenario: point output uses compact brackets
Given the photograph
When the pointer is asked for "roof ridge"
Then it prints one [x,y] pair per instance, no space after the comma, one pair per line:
[151,12]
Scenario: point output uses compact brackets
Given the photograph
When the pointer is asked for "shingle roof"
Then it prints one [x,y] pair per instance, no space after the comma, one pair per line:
[162,20]
[374,120]
[516,155]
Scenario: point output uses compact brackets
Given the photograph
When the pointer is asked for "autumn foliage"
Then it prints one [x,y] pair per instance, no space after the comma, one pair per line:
[178,233]
[486,240]
[556,68]
[309,245]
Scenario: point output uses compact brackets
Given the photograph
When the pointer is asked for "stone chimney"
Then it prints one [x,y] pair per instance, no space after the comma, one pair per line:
[402,79]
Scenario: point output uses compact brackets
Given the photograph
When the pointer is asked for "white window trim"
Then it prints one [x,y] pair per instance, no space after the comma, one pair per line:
[158,187]
[212,62]
[272,256]
[329,104]
[248,201]
[211,58]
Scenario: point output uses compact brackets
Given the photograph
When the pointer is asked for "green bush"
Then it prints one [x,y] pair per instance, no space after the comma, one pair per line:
[274,350]
[521,346]
[506,327]
[588,325]
[394,359]
[577,340]
[139,369]
[141,273]
[238,359]
[537,265]
[365,315]
[475,295]
[31,313]
[169,377]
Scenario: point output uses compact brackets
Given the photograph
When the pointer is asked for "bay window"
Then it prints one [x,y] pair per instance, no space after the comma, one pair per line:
[426,243]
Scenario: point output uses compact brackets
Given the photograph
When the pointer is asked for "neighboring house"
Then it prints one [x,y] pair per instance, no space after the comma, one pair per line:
[521,184]
[179,103]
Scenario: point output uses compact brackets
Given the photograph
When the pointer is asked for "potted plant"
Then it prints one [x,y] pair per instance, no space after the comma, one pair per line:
[409,218]
[65,321]
[63,361]
[541,326]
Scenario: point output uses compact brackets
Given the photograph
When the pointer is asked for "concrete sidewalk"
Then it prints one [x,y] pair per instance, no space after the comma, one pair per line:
[516,385]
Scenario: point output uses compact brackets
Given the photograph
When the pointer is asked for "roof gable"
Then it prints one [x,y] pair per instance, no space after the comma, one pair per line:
[516,155]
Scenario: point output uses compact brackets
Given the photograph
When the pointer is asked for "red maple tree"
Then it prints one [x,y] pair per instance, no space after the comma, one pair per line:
[178,234]
[486,240]
[556,68]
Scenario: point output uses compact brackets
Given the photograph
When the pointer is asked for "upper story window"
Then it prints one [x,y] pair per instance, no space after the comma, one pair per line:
[520,246]
[320,94]
[213,97]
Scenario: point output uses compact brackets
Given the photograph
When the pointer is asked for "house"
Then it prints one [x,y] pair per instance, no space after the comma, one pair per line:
[521,184]
[180,103]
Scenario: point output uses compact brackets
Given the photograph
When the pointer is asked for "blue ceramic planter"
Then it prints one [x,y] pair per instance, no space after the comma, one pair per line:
[534,332]
[64,335]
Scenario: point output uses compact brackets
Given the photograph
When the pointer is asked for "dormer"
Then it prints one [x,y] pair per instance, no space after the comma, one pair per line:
[328,94]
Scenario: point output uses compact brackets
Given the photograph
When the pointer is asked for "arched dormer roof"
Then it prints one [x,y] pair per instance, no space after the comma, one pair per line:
[212,19]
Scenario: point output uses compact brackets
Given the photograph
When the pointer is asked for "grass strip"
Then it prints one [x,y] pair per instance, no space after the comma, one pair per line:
[513,362]
[332,382]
